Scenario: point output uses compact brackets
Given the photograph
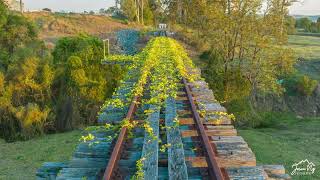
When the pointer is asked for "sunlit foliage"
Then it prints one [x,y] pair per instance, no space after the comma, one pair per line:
[82,82]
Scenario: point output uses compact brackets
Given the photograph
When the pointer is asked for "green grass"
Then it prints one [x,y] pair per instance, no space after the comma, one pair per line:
[307,47]
[310,68]
[20,160]
[288,141]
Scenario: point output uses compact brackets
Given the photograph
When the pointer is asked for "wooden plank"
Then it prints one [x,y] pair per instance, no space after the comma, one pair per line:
[180,112]
[201,97]
[222,132]
[222,127]
[80,173]
[236,161]
[236,173]
[239,151]
[88,163]
[231,145]
[223,161]
[227,132]
[181,98]
[235,155]
[227,139]
[49,170]
[274,169]
[190,121]
[176,163]
[186,121]
[189,133]
[198,84]
[217,120]
[197,162]
[151,146]
[212,107]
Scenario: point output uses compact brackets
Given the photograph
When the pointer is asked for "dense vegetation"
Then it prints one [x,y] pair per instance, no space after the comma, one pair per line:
[243,50]
[307,25]
[42,93]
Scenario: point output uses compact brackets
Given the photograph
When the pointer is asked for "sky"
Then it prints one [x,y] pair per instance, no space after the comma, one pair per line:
[308,7]
[68,5]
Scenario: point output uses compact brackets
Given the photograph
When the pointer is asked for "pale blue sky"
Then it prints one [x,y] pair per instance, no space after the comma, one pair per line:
[68,5]
[308,7]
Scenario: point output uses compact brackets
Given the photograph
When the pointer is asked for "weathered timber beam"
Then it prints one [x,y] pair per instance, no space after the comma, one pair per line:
[176,162]
[151,146]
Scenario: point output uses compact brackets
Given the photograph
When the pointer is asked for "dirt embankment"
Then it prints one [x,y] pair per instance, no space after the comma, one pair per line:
[55,25]
[305,106]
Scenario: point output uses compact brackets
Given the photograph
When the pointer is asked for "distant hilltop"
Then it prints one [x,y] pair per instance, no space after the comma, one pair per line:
[15,5]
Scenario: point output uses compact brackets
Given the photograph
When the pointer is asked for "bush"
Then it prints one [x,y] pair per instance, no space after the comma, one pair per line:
[25,99]
[300,84]
[82,82]
[307,85]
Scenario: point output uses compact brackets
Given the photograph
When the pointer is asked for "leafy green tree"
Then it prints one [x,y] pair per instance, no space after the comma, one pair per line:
[3,13]
[291,24]
[304,23]
[25,99]
[129,8]
[82,82]
[247,55]
[16,33]
[141,11]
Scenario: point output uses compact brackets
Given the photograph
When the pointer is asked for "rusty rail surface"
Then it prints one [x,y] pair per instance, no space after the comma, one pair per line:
[214,169]
[115,156]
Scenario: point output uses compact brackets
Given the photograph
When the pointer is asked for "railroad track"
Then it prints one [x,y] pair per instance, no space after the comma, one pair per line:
[170,164]
[188,136]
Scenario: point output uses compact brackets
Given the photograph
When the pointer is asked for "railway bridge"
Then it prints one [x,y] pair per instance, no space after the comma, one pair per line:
[163,122]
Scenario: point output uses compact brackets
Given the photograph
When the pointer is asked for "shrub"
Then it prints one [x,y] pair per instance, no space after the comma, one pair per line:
[25,99]
[307,85]
[300,84]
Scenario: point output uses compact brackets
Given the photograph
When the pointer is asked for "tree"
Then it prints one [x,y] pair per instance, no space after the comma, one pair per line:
[3,14]
[291,24]
[245,42]
[129,9]
[47,10]
[82,83]
[25,99]
[15,32]
[21,6]
[140,11]
[304,23]
[102,11]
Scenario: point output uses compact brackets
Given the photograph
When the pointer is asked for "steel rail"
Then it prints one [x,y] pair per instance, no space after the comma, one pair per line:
[214,169]
[115,156]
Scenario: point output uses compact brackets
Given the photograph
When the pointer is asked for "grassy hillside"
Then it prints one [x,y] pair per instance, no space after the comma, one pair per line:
[54,25]
[308,49]
[288,141]
[20,160]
